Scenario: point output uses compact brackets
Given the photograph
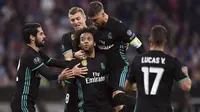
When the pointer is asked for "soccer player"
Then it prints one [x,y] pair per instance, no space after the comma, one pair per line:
[112,37]
[93,88]
[30,68]
[154,73]
[77,19]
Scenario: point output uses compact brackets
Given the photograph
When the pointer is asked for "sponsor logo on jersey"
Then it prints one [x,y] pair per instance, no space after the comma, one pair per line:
[95,79]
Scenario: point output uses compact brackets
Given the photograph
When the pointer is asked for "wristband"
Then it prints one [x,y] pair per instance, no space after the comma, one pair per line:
[58,80]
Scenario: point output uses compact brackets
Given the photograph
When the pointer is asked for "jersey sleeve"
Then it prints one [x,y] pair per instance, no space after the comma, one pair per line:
[124,33]
[131,77]
[34,62]
[53,62]
[73,62]
[67,43]
[179,75]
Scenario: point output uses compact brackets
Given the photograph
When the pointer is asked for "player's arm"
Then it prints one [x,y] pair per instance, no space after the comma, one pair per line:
[50,75]
[53,62]
[68,55]
[67,46]
[186,84]
[65,74]
[181,76]
[129,86]
[128,36]
[130,83]
[36,64]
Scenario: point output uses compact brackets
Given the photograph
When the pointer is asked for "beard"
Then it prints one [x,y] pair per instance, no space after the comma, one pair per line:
[101,24]
[38,43]
[89,51]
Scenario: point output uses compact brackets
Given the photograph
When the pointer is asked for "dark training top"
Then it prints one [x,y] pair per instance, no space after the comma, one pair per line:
[68,42]
[92,89]
[154,73]
[29,71]
[111,40]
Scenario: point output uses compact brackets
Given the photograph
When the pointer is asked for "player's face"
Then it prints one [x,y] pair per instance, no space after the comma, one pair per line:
[78,21]
[86,42]
[40,38]
[98,20]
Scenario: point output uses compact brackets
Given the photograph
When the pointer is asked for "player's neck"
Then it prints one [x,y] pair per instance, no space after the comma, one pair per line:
[91,54]
[155,48]
[34,47]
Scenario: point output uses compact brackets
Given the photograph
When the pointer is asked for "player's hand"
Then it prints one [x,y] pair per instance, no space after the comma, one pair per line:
[66,74]
[80,54]
[117,92]
[126,46]
[79,71]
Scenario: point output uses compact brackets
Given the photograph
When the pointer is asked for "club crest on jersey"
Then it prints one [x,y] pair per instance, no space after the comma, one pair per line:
[36,60]
[72,36]
[84,62]
[109,35]
[102,66]
[129,32]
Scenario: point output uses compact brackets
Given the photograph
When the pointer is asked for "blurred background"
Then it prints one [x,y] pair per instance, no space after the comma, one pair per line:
[181,17]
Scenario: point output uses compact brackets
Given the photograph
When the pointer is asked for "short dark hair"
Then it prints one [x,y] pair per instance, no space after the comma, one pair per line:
[94,8]
[78,34]
[29,29]
[158,34]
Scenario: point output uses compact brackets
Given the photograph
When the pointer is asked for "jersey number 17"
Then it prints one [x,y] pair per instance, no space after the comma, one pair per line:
[159,73]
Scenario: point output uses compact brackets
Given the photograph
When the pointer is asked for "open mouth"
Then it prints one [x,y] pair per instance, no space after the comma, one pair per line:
[86,46]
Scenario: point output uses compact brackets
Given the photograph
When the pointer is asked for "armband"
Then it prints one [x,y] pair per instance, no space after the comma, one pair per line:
[136,42]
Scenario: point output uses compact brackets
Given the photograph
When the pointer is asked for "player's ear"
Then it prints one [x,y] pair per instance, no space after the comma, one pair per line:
[150,41]
[32,38]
